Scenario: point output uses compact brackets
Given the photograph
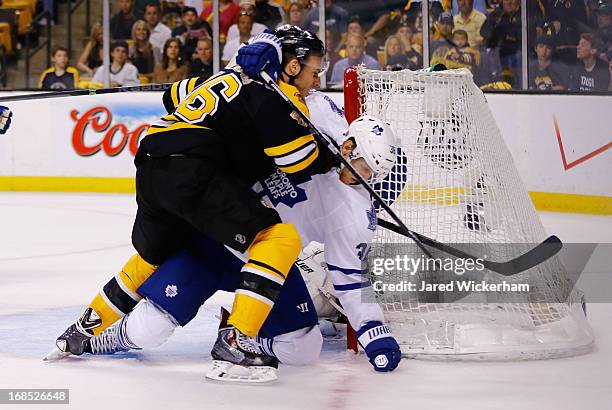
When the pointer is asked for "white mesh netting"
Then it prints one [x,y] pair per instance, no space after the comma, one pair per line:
[461,186]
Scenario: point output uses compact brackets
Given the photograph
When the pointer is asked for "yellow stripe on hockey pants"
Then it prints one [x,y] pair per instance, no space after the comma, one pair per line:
[271,256]
[118,297]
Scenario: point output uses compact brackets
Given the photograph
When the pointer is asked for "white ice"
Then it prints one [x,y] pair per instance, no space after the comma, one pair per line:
[58,249]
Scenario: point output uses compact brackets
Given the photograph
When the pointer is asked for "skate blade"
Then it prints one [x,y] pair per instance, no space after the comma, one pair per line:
[55,355]
[227,372]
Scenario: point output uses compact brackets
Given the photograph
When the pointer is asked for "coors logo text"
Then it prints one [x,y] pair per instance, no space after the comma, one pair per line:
[112,140]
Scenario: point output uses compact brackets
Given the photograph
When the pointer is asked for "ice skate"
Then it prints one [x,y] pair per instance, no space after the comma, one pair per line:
[74,340]
[237,358]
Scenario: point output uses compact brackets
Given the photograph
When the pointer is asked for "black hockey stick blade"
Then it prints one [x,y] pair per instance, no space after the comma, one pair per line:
[542,252]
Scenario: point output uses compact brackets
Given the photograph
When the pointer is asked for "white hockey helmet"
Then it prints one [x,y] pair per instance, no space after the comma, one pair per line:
[375,143]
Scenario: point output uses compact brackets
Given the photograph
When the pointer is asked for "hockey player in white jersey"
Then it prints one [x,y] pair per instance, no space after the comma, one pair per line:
[331,209]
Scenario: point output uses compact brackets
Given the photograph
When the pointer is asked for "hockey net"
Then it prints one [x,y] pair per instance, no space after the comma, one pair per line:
[460,185]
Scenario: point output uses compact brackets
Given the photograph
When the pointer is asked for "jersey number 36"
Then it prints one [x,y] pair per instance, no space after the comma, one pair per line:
[204,100]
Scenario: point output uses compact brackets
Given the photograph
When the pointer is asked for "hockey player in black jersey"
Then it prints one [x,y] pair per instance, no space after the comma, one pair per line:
[195,167]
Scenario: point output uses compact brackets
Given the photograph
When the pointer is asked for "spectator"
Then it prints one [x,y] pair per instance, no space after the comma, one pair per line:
[413,10]
[335,19]
[394,57]
[160,33]
[228,15]
[122,22]
[295,15]
[93,53]
[405,33]
[142,53]
[171,13]
[245,24]
[59,76]
[354,27]
[122,73]
[355,55]
[470,20]
[246,7]
[567,19]
[443,29]
[173,66]
[502,32]
[196,4]
[479,5]
[442,42]
[592,73]
[462,55]
[441,38]
[202,62]
[381,20]
[141,5]
[604,27]
[544,74]
[270,15]
[191,30]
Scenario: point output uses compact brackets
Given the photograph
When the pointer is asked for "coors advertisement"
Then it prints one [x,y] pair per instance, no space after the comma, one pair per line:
[112,129]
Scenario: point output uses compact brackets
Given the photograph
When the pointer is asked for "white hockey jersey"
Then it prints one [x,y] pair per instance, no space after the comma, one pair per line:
[326,115]
[342,217]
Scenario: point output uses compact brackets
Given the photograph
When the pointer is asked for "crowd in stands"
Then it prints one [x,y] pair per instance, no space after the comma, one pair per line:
[569,41]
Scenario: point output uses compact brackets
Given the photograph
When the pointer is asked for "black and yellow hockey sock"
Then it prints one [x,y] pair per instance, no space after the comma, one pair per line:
[118,297]
[271,256]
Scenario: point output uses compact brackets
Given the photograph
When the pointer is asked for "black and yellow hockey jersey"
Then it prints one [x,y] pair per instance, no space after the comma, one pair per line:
[246,126]
[49,80]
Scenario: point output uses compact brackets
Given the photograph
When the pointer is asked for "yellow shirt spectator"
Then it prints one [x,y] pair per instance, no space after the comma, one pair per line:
[471,25]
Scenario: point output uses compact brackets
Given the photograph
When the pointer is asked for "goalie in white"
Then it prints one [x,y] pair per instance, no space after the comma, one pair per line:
[331,209]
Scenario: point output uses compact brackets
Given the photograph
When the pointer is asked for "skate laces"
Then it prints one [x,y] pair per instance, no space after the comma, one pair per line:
[105,343]
[246,343]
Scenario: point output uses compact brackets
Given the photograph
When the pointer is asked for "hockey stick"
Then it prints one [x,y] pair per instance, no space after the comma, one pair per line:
[543,251]
[76,93]
[325,140]
[535,256]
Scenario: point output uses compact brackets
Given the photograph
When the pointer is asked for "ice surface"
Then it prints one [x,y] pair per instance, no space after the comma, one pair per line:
[58,249]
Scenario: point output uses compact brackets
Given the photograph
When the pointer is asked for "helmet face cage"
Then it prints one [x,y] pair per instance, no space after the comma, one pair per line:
[375,143]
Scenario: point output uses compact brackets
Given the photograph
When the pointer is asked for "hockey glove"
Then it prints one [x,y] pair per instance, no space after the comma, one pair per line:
[380,346]
[262,52]
[6,116]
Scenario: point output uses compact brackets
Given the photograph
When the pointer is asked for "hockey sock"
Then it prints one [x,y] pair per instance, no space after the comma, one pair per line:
[271,256]
[118,297]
